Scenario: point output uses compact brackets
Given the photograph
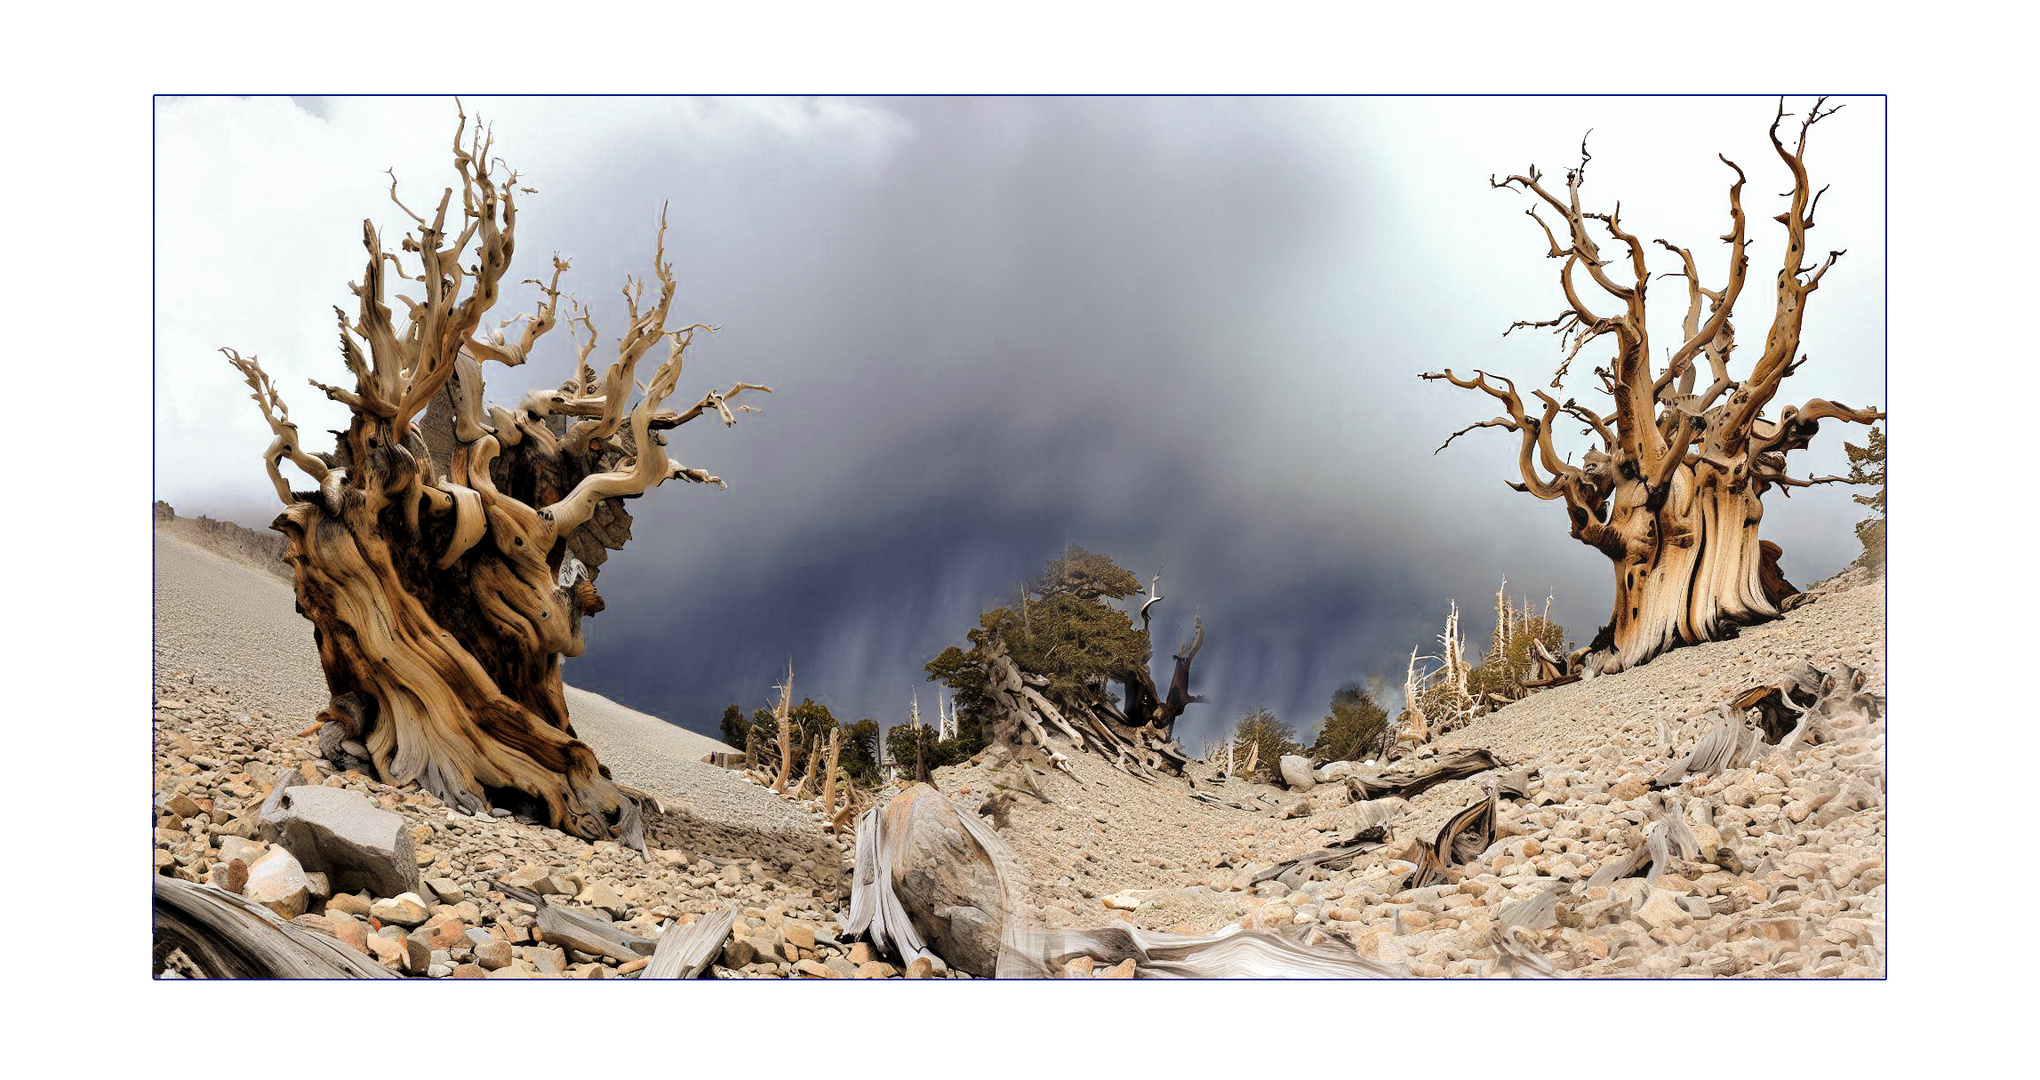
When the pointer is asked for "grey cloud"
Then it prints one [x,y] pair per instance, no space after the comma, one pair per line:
[1183,332]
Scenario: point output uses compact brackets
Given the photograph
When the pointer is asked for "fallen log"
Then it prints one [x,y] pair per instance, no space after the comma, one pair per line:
[1730,744]
[1539,912]
[876,913]
[918,883]
[1368,820]
[1806,703]
[930,880]
[1230,804]
[1298,871]
[1548,670]
[1461,839]
[1410,779]
[1037,952]
[1514,953]
[230,937]
[1514,784]
[1664,837]
[648,801]
[1366,829]
[684,952]
[564,926]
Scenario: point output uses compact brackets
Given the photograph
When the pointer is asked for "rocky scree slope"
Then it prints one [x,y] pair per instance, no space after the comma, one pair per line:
[237,684]
[1790,882]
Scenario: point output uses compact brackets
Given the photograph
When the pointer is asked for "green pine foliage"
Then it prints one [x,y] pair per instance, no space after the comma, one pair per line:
[1062,624]
[735,728]
[1866,467]
[811,721]
[901,739]
[1355,728]
[1261,728]
[860,752]
[1504,672]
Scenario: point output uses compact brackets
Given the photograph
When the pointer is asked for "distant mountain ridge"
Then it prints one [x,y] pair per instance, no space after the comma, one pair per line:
[261,550]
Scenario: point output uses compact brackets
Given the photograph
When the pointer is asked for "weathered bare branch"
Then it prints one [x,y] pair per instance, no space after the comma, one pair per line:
[286,445]
[535,325]
[651,466]
[645,329]
[1536,437]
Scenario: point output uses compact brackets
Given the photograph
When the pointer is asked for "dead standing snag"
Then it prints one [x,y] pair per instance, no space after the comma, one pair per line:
[1671,492]
[446,554]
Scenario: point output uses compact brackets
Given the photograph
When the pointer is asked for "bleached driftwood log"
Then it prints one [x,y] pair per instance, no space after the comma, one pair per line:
[565,926]
[1295,873]
[1801,708]
[1461,839]
[684,952]
[231,937]
[1409,779]
[1515,953]
[1038,952]
[930,880]
[1547,669]
[1667,834]
[926,875]
[1730,744]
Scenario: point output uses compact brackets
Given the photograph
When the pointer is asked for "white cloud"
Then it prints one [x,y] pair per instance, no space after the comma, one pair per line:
[258,228]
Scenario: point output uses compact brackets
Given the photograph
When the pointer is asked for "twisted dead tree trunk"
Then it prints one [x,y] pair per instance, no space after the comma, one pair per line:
[1139,740]
[1048,662]
[1672,491]
[1153,712]
[446,574]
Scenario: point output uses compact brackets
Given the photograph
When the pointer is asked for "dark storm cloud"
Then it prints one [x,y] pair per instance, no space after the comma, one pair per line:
[1044,323]
[1181,332]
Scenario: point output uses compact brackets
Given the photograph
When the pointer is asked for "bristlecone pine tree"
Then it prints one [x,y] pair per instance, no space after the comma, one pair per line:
[445,555]
[1260,739]
[1672,492]
[1048,659]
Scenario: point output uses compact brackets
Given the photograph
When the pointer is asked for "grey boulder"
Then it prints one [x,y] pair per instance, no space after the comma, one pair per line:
[342,835]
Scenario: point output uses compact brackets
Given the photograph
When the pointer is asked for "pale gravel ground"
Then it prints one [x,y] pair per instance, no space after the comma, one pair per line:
[1104,831]
[236,627]
[1818,912]
[1623,710]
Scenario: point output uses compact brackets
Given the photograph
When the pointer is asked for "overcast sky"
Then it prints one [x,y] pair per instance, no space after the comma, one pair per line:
[1184,332]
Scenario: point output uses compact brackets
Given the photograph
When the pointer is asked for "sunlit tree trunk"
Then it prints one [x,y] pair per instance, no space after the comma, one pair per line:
[1671,491]
[445,555]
